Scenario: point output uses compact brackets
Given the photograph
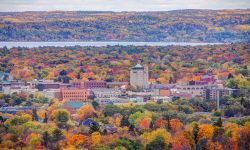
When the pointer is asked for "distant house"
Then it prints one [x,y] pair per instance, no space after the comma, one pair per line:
[5,76]
[88,122]
[110,129]
[14,110]
[4,84]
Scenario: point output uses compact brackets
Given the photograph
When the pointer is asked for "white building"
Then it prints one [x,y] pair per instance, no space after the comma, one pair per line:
[139,76]
[136,99]
[106,92]
[25,89]
[52,93]
[194,90]
[112,100]
[163,99]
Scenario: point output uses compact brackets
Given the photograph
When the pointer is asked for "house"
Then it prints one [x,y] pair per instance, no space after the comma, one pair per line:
[5,76]
[4,84]
[110,129]
[88,122]
[14,110]
[161,99]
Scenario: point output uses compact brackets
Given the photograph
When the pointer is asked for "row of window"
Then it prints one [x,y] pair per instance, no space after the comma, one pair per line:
[193,88]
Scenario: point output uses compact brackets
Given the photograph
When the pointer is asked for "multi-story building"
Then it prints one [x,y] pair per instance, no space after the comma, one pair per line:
[139,76]
[16,84]
[94,84]
[74,94]
[47,84]
[112,100]
[52,93]
[19,89]
[117,84]
[4,85]
[79,84]
[194,90]
[214,92]
[5,76]
[106,92]
[91,84]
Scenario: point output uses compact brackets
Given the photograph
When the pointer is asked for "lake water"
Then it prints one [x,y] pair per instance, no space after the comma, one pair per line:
[62,44]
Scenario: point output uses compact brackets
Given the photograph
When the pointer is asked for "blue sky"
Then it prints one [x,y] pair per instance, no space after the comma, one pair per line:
[120,5]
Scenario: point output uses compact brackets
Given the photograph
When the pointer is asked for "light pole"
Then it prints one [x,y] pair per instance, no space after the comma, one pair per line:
[218,99]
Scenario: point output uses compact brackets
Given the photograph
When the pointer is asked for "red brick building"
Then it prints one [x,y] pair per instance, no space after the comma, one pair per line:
[88,84]
[77,84]
[95,84]
[74,94]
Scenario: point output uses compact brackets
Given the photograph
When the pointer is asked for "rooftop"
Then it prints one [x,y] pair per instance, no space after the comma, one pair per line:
[74,104]
[138,66]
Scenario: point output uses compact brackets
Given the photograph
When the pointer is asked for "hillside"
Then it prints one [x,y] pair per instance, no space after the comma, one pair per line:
[112,63]
[174,26]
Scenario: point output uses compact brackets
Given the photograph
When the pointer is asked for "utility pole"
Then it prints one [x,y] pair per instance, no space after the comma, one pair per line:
[218,99]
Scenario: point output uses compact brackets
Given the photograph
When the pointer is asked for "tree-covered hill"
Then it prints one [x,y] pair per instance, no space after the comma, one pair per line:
[174,26]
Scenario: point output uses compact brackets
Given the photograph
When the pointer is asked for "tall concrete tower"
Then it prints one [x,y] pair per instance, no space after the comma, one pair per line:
[139,76]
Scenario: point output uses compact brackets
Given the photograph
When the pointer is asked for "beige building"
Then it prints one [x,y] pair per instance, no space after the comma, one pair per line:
[194,90]
[139,76]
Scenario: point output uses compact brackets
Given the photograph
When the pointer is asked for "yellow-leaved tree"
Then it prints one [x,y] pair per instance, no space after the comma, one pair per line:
[148,137]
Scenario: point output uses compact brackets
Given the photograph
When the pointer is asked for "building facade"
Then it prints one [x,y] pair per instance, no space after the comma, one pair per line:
[106,92]
[77,84]
[74,94]
[139,76]
[47,85]
[95,84]
[193,90]
[212,93]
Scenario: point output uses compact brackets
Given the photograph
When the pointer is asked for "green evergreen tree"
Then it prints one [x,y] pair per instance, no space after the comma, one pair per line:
[157,143]
[218,122]
[57,135]
[45,138]
[195,132]
[34,115]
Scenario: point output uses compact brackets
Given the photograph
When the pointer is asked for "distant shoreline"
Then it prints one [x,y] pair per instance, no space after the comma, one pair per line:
[99,44]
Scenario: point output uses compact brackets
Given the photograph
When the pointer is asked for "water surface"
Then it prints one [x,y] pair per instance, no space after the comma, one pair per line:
[62,44]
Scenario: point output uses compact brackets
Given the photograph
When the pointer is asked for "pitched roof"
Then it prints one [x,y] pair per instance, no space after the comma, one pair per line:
[138,66]
[88,122]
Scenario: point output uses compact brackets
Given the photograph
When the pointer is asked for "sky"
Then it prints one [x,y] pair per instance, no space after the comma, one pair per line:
[119,5]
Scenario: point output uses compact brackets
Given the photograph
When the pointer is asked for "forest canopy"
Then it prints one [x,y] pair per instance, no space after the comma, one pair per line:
[169,26]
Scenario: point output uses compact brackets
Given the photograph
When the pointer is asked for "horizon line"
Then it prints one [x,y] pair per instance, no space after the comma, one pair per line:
[122,10]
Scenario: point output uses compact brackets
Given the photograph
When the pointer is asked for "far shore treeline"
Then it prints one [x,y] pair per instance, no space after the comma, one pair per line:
[169,26]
